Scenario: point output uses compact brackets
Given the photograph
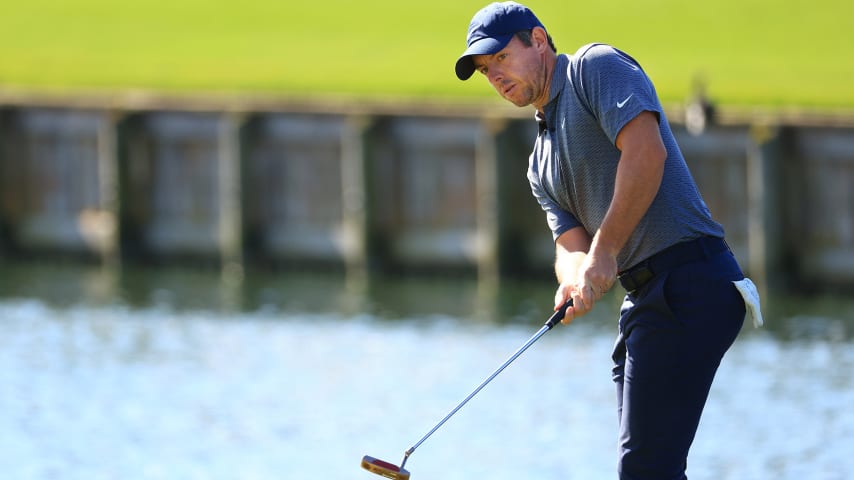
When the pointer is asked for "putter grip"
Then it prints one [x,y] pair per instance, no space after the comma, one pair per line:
[558,315]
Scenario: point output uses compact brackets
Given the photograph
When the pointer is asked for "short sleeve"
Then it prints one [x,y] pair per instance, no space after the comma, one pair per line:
[558,219]
[614,87]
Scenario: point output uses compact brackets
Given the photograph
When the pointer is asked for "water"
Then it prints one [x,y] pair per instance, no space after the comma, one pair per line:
[176,376]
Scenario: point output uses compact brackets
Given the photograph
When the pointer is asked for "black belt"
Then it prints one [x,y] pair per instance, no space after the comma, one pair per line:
[671,257]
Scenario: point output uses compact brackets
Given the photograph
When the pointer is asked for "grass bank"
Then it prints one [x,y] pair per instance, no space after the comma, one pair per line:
[749,52]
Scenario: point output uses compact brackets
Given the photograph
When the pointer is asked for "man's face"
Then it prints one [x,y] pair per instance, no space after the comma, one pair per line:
[517,73]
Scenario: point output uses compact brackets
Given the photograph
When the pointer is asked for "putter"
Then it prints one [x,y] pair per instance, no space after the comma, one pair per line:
[392,471]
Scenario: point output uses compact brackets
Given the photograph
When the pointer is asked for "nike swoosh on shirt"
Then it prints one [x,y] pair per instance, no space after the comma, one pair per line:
[623,103]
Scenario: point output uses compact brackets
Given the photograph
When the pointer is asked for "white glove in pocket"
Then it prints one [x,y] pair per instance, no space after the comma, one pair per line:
[751,301]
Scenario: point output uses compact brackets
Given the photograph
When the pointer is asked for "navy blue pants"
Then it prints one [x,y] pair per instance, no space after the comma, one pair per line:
[673,333]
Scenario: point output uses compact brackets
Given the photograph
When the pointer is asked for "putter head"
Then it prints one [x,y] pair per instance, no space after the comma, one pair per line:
[384,469]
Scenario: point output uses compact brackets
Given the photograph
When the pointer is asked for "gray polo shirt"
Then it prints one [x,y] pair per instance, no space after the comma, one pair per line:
[594,94]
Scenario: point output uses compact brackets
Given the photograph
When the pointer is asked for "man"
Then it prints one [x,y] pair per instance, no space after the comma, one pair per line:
[621,204]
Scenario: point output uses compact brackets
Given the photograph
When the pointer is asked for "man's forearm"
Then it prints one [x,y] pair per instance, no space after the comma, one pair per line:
[639,175]
[570,249]
[634,191]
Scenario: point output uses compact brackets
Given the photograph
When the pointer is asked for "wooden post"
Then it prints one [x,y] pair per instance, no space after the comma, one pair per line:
[488,204]
[355,195]
[108,183]
[230,198]
[489,216]
[765,207]
[5,146]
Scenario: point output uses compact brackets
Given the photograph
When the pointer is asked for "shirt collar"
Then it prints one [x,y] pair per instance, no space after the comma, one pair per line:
[555,89]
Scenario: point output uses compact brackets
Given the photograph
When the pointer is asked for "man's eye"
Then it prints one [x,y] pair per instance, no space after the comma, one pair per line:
[483,70]
[502,56]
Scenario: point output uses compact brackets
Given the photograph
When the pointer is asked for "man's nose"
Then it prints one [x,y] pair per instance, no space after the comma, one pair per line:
[495,76]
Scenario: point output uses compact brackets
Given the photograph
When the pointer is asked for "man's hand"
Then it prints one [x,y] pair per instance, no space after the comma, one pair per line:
[578,273]
[598,273]
[595,275]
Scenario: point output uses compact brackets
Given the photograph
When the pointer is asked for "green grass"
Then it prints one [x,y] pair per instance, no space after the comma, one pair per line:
[750,52]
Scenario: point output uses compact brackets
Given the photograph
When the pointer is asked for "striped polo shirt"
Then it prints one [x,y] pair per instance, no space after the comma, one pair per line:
[593,95]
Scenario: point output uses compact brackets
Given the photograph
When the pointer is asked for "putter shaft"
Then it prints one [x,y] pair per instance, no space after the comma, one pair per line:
[552,321]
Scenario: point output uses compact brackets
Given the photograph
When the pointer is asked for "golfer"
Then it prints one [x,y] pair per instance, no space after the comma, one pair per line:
[622,206]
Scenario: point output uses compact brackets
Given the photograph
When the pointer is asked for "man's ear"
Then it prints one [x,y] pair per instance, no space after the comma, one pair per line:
[540,37]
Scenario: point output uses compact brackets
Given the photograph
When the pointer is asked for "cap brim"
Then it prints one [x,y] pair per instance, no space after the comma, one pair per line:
[484,46]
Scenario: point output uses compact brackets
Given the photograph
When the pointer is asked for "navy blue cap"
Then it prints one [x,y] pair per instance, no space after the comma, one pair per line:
[491,29]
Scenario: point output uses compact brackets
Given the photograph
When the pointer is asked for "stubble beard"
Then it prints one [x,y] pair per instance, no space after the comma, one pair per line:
[526,99]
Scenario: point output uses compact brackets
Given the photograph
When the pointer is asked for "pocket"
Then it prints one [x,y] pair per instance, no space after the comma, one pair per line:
[651,307]
[702,291]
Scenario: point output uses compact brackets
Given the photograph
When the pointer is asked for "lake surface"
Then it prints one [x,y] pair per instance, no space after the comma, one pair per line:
[178,375]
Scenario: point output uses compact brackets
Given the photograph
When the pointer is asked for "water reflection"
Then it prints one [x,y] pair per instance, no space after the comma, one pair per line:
[823,317]
[173,374]
[183,289]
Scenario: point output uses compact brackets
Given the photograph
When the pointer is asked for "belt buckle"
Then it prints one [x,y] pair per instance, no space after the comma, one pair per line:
[637,277]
